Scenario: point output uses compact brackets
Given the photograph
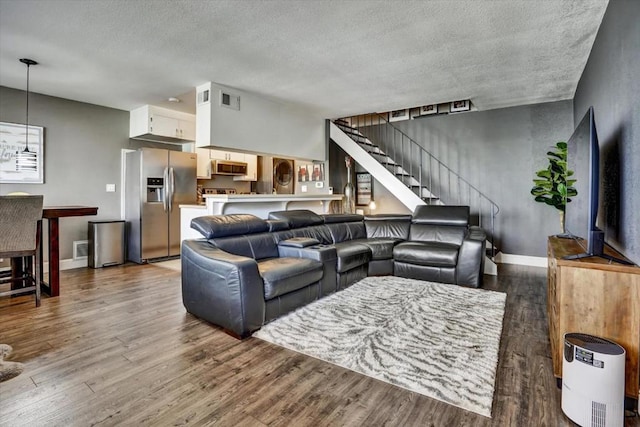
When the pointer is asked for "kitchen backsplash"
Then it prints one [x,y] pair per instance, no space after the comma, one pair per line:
[222,181]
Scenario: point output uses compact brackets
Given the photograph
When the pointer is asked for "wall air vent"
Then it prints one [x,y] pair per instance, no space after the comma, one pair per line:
[80,249]
[204,97]
[229,100]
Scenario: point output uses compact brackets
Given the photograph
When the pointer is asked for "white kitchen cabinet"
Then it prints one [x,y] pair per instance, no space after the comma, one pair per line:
[161,124]
[187,126]
[252,169]
[227,155]
[204,163]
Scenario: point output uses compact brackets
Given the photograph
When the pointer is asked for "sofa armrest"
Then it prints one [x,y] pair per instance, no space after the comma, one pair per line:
[326,254]
[299,242]
[317,252]
[222,288]
[470,268]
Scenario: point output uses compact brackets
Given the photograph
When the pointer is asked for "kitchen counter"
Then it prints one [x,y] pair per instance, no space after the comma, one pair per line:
[257,204]
[261,204]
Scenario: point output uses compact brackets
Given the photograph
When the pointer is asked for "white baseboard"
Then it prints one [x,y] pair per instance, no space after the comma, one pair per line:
[533,261]
[490,267]
[68,264]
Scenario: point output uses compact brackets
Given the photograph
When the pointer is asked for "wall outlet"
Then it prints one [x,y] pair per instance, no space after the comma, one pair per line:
[303,188]
[319,184]
[111,188]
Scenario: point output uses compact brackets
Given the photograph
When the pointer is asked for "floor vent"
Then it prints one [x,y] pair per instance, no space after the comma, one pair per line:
[80,249]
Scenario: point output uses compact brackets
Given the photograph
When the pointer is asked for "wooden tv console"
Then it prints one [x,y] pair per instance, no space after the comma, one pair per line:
[596,297]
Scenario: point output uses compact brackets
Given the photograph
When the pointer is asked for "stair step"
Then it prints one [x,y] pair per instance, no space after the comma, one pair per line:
[375,152]
[372,148]
[349,130]
[367,143]
[430,200]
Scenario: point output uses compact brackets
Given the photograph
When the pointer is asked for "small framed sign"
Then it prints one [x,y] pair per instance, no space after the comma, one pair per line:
[397,115]
[429,109]
[21,154]
[364,189]
[460,106]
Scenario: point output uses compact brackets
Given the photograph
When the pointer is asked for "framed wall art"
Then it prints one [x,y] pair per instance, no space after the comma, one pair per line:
[364,188]
[21,154]
[429,109]
[460,106]
[397,115]
[305,172]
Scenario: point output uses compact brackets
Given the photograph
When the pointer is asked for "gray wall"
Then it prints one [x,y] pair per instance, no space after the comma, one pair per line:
[498,151]
[82,144]
[611,84]
[275,127]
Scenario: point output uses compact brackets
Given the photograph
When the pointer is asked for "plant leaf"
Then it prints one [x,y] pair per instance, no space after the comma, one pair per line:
[562,189]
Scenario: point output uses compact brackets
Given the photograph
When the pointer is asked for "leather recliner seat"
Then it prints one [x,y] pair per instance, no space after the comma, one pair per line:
[435,250]
[240,268]
[344,232]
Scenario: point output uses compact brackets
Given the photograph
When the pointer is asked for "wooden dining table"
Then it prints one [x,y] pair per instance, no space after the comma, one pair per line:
[53,215]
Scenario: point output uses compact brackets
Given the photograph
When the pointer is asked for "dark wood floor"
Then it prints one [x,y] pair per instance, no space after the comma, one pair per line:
[118,348]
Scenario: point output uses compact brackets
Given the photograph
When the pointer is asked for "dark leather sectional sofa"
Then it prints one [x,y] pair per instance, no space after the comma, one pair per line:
[247,271]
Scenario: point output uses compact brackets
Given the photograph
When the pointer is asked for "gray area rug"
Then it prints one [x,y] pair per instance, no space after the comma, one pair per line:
[437,340]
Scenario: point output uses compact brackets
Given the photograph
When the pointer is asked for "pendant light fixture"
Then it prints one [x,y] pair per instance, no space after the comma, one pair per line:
[27,160]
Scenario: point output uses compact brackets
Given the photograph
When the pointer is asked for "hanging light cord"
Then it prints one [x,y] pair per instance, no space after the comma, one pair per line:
[28,62]
[26,143]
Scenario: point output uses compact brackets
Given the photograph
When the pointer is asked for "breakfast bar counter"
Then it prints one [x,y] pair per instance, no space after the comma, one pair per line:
[261,204]
[257,204]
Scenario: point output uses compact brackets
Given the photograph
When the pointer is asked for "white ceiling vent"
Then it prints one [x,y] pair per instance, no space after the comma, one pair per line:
[230,100]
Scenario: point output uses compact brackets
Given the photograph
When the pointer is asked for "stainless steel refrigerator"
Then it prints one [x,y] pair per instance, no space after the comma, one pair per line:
[156,182]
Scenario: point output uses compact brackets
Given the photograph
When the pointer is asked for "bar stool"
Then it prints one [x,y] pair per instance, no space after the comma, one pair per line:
[20,218]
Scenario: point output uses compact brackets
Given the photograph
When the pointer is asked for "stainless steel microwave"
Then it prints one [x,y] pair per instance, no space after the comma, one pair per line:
[227,167]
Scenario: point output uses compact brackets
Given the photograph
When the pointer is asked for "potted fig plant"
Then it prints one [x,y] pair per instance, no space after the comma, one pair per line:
[551,185]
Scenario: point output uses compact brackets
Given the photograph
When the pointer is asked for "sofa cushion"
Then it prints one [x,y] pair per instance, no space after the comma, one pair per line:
[351,255]
[319,232]
[381,247]
[263,245]
[214,226]
[277,225]
[237,245]
[284,275]
[341,217]
[386,225]
[441,215]
[256,246]
[298,218]
[341,232]
[435,254]
[437,233]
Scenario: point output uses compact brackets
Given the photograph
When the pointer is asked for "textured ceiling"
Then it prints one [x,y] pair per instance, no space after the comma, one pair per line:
[336,57]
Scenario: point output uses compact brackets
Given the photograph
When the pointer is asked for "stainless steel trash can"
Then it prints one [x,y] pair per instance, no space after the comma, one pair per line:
[106,243]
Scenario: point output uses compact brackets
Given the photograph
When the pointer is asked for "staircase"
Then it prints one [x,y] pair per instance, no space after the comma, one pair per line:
[412,174]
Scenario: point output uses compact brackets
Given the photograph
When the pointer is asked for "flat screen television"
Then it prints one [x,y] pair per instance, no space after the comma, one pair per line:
[581,214]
